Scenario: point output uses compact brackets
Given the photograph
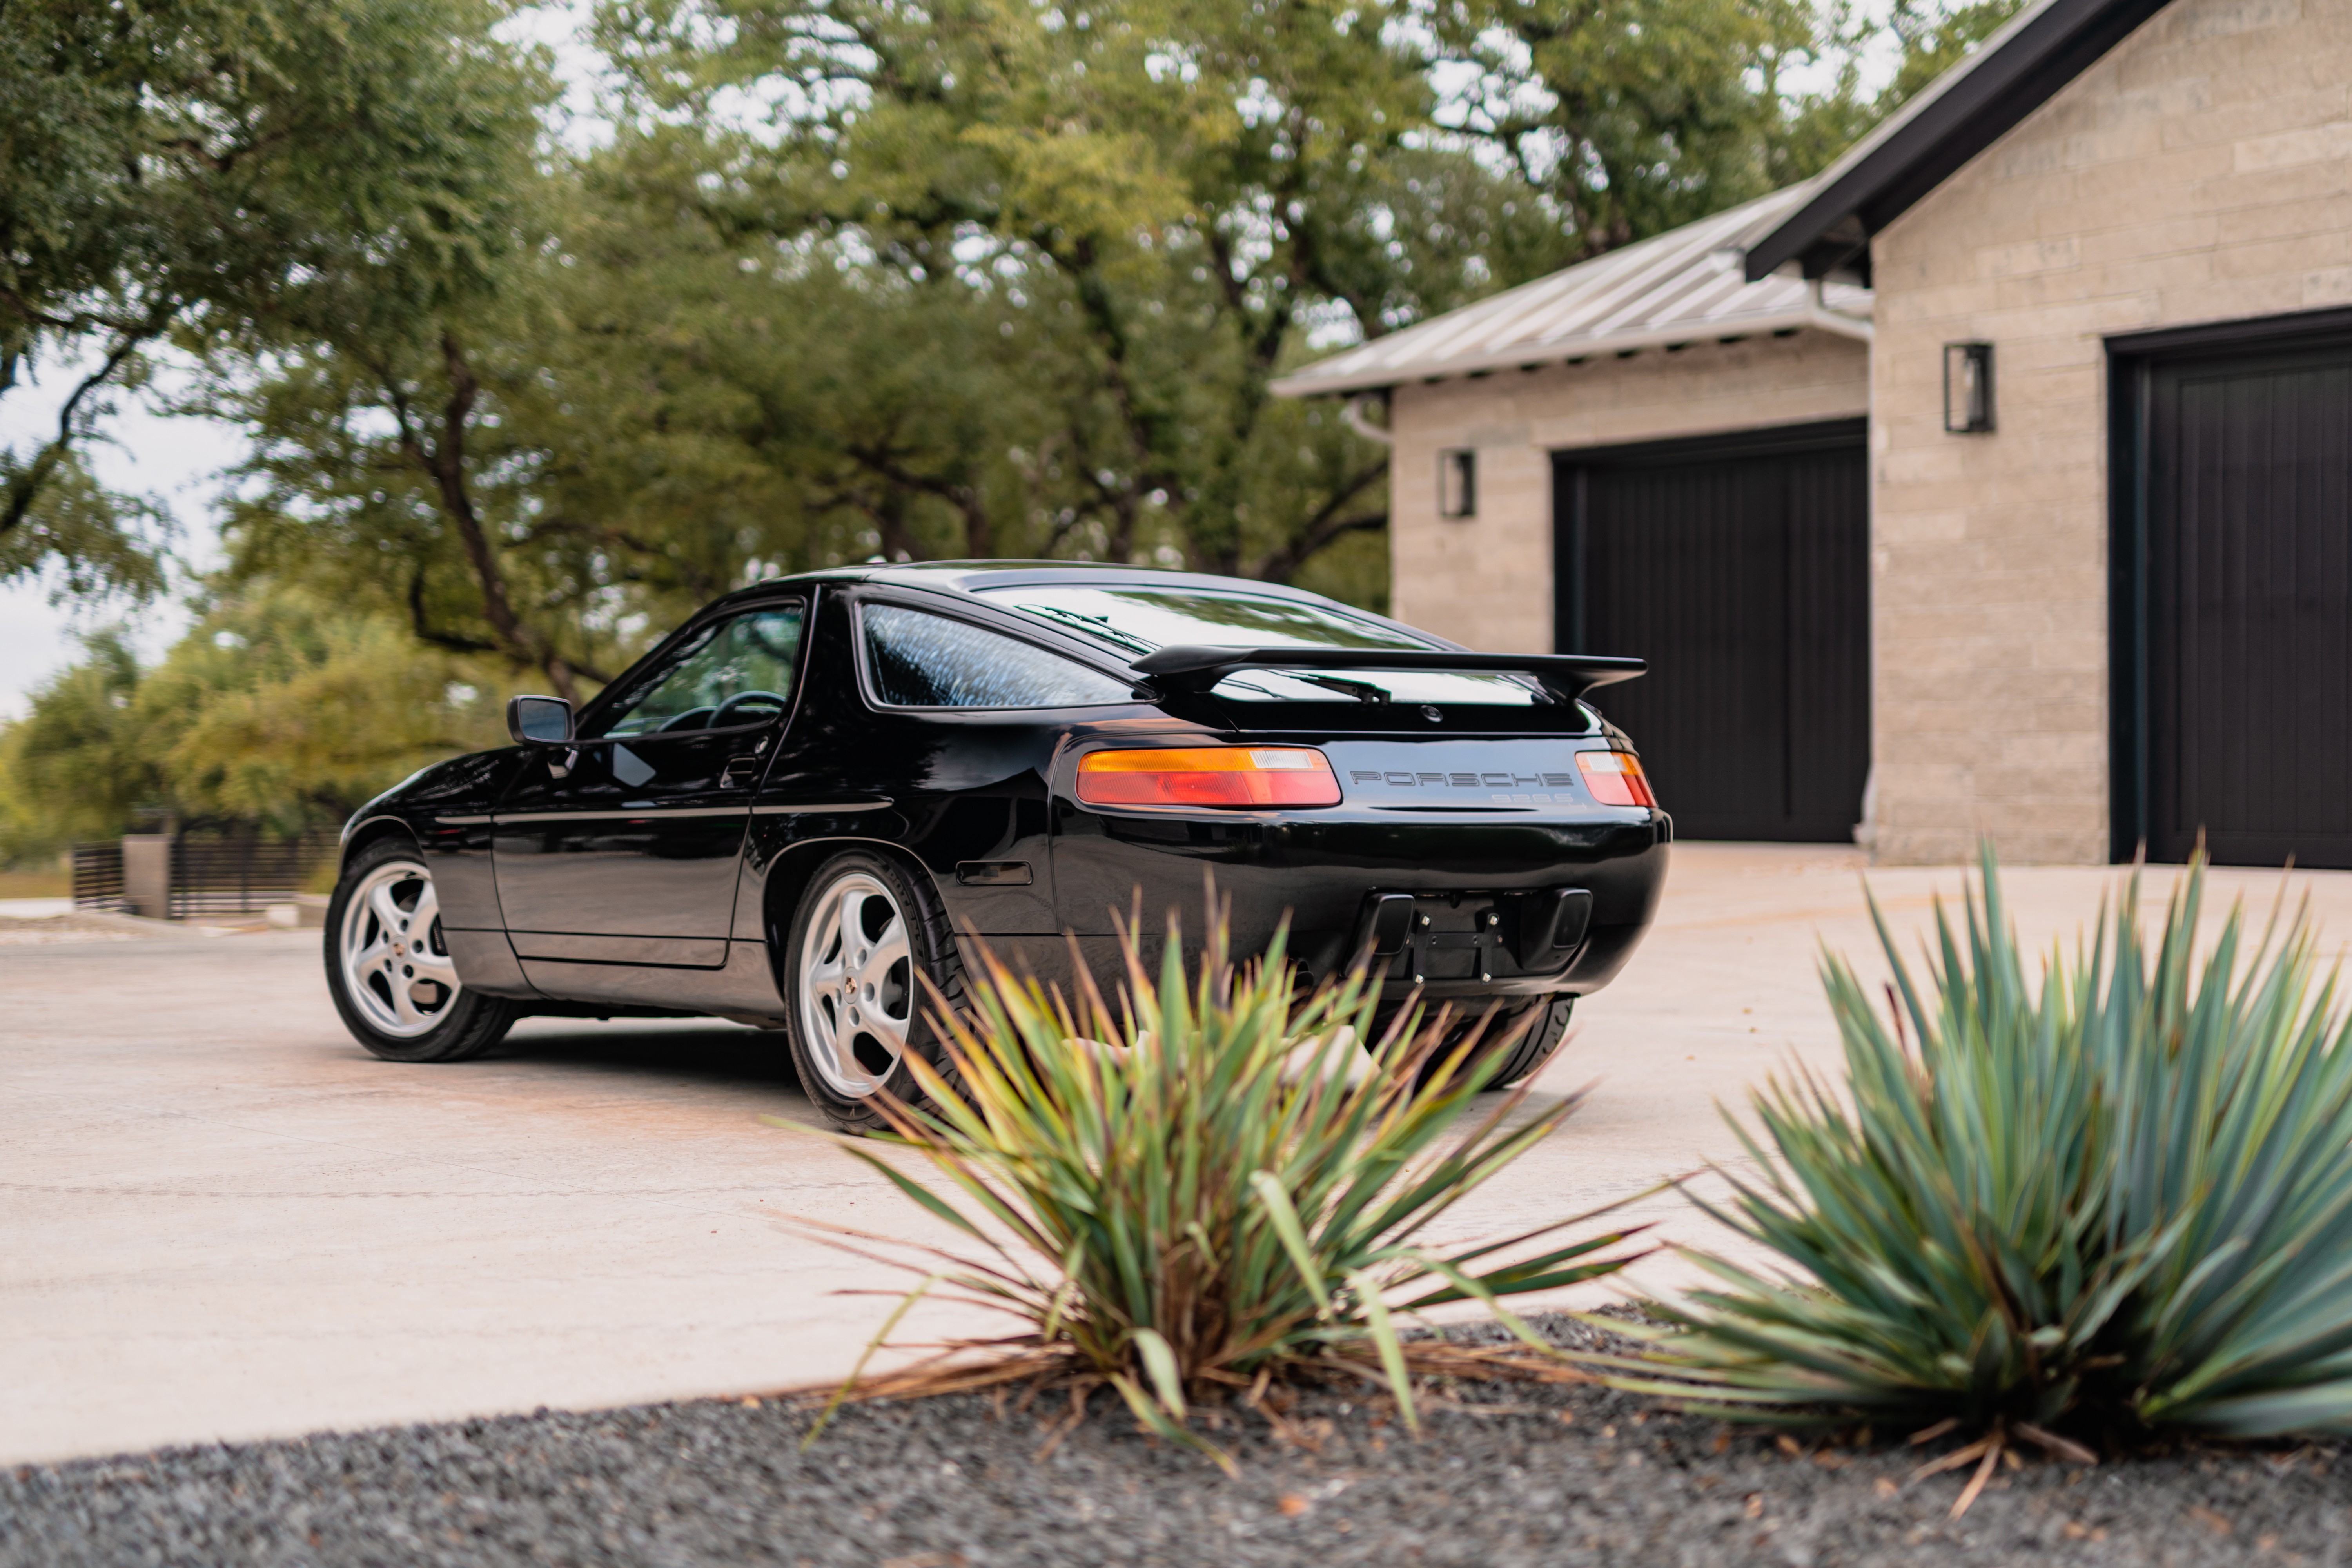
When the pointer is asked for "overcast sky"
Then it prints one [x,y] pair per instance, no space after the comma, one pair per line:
[177,462]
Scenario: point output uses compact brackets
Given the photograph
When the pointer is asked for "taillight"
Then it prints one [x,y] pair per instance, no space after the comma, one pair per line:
[1208,775]
[1615,778]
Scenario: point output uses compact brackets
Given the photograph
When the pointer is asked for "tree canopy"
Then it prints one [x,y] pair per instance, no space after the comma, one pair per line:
[197,166]
[280,708]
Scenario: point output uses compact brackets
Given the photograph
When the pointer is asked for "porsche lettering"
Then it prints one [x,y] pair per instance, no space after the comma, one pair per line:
[1493,780]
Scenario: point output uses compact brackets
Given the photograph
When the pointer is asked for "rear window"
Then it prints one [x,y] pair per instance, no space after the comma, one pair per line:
[1139,619]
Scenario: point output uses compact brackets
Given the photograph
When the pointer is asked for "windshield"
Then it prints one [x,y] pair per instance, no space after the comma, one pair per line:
[1136,619]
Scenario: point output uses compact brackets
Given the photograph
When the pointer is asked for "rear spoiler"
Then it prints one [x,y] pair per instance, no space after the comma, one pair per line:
[1190,669]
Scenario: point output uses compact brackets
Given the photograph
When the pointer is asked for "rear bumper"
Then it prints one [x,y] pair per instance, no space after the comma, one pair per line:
[1472,879]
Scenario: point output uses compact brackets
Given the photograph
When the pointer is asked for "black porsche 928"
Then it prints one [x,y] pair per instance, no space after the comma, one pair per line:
[824,788]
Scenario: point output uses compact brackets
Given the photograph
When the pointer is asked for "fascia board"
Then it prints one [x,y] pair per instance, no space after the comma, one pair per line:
[2016,70]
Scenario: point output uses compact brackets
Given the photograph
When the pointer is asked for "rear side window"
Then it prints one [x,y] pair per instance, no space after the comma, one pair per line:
[919,660]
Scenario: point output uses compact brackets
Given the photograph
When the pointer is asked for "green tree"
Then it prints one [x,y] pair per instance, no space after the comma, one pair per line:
[77,765]
[1636,116]
[1149,206]
[1936,38]
[280,707]
[1633,116]
[191,166]
[387,473]
[287,710]
[370,378]
[854,281]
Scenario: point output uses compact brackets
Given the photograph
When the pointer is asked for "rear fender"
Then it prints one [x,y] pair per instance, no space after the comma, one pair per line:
[787,878]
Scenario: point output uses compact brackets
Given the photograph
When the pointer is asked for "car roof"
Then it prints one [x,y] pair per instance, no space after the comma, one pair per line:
[969,576]
[972,576]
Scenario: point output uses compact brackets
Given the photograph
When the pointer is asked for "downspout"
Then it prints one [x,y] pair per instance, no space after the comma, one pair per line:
[1818,311]
[1352,411]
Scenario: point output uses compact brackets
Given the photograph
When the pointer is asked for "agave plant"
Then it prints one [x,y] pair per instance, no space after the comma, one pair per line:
[2116,1203]
[1220,1186]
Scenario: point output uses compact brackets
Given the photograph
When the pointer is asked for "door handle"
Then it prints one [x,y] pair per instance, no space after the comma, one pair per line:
[737,771]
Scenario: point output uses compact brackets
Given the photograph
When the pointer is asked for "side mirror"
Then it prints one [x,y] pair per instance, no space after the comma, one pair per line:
[538,721]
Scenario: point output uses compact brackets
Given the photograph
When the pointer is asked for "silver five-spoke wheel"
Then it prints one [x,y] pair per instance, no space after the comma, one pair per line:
[395,961]
[856,985]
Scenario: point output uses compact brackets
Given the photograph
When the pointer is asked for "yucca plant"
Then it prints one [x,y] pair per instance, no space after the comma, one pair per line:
[1220,1186]
[2079,1213]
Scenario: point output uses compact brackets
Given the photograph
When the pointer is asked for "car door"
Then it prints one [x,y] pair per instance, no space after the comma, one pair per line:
[624,847]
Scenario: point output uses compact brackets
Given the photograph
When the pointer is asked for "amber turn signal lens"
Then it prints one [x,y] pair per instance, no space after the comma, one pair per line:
[1208,775]
[1615,778]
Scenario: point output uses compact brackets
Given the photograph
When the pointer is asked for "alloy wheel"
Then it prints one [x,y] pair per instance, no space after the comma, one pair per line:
[395,961]
[856,985]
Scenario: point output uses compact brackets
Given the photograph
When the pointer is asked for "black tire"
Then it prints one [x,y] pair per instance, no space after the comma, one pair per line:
[840,1065]
[1529,1053]
[1540,1044]
[462,1024]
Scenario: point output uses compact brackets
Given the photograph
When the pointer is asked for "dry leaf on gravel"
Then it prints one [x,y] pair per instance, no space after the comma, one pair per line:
[2210,1519]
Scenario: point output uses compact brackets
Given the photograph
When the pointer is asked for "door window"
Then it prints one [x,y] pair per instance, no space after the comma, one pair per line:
[729,674]
[918,660]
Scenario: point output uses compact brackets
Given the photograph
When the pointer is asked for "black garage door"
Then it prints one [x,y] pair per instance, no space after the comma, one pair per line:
[1740,567]
[2244,625]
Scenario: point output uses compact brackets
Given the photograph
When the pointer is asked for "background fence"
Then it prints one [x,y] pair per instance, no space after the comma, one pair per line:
[216,873]
[213,871]
[98,876]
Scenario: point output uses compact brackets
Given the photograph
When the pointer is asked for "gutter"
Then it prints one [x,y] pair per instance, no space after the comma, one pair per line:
[1351,413]
[1819,313]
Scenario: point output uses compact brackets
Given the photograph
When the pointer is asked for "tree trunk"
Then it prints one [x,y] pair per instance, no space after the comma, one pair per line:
[444,462]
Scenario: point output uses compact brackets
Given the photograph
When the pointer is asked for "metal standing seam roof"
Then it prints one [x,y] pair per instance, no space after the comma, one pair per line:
[1684,286]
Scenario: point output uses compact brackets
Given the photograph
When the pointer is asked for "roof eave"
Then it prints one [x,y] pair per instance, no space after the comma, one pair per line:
[1531,355]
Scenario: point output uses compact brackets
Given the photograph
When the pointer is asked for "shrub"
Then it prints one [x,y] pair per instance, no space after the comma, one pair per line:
[1220,1188]
[2119,1204]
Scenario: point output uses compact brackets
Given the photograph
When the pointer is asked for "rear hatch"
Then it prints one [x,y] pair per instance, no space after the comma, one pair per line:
[1408,723]
[1498,735]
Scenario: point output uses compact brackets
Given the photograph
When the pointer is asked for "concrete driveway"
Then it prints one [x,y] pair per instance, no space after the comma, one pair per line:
[220,1219]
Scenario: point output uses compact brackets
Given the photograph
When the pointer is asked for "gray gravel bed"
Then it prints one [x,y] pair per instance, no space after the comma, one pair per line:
[1548,1476]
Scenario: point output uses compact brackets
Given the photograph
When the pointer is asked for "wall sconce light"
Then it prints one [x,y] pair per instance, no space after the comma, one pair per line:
[1457,483]
[1968,388]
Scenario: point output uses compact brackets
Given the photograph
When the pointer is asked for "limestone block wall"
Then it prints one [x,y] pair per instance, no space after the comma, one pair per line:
[1487,581]
[2201,171]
